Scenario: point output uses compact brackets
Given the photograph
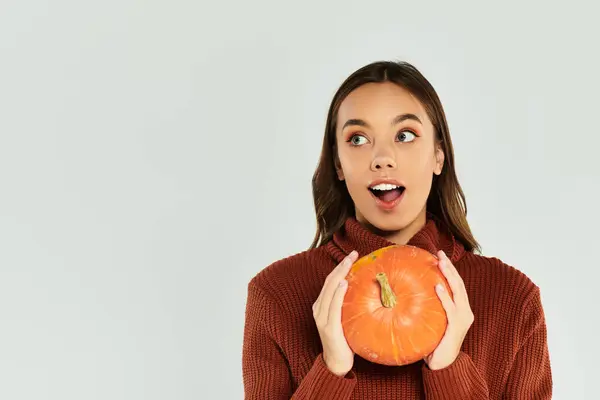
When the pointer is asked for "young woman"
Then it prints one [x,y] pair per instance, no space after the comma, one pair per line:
[387,125]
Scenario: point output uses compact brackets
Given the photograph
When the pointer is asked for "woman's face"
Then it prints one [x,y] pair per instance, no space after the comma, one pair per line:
[384,133]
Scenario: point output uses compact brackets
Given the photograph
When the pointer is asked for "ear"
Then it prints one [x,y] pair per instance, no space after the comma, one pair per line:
[337,164]
[439,160]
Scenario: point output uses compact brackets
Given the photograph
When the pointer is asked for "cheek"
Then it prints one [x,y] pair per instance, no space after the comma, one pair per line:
[418,168]
[427,164]
[352,164]
[356,168]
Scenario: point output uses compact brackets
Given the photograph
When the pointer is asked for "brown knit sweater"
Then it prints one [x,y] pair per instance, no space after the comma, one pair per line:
[504,355]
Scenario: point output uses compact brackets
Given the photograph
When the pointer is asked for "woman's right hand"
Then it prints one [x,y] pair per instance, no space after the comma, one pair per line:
[327,311]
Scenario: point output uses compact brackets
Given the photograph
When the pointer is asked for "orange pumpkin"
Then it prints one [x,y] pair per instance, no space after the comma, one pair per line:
[391,313]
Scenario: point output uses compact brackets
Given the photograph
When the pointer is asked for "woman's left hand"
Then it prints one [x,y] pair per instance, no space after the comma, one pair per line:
[459,314]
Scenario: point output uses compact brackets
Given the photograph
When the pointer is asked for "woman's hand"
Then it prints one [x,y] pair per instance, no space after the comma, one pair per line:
[460,316]
[327,311]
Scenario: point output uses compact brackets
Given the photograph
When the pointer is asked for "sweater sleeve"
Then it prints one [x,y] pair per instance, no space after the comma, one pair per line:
[265,369]
[459,381]
[530,374]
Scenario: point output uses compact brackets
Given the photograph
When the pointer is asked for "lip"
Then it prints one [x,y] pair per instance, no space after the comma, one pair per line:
[389,181]
[384,205]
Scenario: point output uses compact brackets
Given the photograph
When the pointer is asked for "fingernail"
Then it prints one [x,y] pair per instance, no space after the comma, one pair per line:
[348,259]
[352,253]
[343,283]
[439,287]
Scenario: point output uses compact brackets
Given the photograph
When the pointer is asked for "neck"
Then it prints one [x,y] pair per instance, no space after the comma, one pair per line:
[401,236]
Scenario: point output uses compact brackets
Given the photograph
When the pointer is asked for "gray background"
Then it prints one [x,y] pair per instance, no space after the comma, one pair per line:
[155,155]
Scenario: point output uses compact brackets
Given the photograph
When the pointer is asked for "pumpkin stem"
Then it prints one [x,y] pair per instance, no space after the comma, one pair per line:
[388,298]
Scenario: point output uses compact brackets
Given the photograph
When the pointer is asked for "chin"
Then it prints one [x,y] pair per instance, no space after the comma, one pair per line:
[393,221]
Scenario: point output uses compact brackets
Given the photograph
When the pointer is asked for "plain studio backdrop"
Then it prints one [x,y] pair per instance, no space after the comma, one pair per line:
[155,156]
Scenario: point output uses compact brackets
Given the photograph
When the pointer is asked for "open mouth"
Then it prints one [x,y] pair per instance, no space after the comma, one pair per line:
[387,192]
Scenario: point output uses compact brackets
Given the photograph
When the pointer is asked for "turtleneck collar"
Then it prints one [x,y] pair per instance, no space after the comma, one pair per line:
[354,236]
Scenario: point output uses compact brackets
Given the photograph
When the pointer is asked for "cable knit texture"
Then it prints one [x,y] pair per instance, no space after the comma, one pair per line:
[504,355]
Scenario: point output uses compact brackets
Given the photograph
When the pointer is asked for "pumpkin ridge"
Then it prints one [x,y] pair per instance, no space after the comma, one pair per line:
[395,347]
[354,317]
[414,347]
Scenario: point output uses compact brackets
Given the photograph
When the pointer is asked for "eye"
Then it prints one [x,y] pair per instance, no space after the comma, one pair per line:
[406,136]
[355,140]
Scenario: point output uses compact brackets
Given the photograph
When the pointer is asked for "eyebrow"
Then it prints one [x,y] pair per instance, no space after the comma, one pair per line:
[397,120]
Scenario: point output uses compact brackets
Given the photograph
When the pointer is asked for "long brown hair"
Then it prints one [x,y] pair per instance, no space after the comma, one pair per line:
[446,201]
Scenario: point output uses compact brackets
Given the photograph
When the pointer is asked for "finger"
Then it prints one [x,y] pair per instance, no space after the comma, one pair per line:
[333,280]
[447,302]
[335,308]
[453,277]
[316,305]
[447,265]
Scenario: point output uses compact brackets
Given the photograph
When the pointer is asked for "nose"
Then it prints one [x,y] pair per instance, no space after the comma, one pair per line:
[382,162]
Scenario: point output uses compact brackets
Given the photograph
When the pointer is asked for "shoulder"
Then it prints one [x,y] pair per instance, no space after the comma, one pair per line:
[513,297]
[492,278]
[289,268]
[498,270]
[293,278]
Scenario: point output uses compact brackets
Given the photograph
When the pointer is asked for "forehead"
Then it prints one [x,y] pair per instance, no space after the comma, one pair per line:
[379,102]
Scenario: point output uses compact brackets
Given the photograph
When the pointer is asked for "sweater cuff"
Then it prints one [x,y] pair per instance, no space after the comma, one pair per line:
[321,383]
[459,380]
